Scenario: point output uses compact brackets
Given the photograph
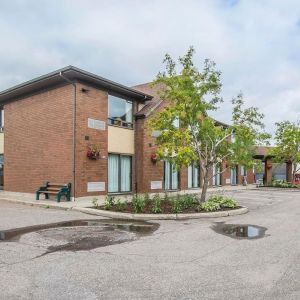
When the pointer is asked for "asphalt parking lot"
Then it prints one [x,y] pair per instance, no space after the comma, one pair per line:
[178,260]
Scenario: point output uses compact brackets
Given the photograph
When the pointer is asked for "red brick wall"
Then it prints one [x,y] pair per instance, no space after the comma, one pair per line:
[91,104]
[146,171]
[250,176]
[38,140]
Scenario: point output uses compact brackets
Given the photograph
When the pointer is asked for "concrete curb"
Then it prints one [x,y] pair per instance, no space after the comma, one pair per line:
[37,204]
[145,217]
[270,188]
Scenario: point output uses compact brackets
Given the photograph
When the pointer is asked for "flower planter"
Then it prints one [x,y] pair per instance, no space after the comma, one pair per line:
[93,153]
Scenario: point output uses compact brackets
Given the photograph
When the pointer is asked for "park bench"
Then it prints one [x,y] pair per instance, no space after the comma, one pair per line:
[58,189]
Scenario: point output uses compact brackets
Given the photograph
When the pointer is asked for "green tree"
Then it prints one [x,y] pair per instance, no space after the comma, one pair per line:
[199,139]
[287,139]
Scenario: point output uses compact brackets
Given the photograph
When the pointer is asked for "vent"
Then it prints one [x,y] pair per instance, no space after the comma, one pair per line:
[96,124]
[96,186]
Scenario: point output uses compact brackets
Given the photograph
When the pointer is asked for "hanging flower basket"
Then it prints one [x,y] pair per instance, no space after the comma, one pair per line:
[93,152]
[154,158]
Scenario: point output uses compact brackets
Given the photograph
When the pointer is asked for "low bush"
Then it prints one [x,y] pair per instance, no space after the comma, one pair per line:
[109,202]
[187,201]
[176,205]
[284,184]
[209,206]
[156,208]
[120,206]
[218,202]
[225,202]
[95,202]
[138,203]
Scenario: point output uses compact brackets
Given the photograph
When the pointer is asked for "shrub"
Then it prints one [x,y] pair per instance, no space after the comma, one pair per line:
[109,202]
[176,205]
[210,206]
[156,209]
[217,202]
[187,201]
[282,184]
[95,202]
[138,203]
[223,201]
[120,206]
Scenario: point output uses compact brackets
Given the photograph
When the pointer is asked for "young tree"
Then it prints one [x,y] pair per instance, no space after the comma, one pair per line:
[199,139]
[287,149]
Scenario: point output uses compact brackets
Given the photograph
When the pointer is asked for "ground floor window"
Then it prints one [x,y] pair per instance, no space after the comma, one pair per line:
[171,176]
[216,175]
[233,176]
[243,171]
[119,173]
[193,177]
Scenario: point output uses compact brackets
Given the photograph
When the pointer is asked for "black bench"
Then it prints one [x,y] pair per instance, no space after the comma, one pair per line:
[57,189]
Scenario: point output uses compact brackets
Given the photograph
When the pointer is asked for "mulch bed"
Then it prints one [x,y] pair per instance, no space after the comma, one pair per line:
[166,208]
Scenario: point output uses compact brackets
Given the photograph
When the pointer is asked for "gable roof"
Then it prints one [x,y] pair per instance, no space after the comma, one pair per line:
[73,74]
[151,105]
[156,101]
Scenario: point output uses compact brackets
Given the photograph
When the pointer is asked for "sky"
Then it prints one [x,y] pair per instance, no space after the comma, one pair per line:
[255,44]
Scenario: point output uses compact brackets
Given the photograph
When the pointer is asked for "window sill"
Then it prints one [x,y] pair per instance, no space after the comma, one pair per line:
[119,193]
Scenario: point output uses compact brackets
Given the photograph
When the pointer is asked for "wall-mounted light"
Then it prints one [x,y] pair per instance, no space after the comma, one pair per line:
[83,90]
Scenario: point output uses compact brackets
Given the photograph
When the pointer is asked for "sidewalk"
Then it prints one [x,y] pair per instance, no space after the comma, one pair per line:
[29,199]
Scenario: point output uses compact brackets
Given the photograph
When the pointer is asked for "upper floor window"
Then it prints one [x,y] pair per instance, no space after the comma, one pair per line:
[119,112]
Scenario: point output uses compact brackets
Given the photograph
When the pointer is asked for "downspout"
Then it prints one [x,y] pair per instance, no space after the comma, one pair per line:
[74,133]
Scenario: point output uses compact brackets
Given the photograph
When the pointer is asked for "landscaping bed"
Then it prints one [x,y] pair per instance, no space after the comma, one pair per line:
[180,204]
[283,184]
[166,208]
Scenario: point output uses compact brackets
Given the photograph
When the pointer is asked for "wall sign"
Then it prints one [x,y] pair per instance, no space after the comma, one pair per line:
[156,185]
[96,186]
[228,181]
[96,124]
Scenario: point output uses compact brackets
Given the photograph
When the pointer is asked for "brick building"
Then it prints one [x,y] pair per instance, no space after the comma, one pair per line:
[52,121]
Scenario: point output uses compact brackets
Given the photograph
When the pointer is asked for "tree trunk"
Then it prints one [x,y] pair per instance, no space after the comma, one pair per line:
[204,188]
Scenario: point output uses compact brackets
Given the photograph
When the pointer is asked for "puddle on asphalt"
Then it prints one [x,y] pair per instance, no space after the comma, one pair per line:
[80,234]
[240,231]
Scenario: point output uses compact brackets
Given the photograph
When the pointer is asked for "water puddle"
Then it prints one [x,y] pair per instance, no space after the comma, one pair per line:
[240,231]
[79,235]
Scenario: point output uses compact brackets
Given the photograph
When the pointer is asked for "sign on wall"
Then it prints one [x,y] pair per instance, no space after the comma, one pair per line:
[156,185]
[96,124]
[96,186]
[228,181]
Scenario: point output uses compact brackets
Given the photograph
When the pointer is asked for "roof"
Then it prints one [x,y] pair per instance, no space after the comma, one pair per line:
[262,151]
[73,74]
[153,103]
[156,101]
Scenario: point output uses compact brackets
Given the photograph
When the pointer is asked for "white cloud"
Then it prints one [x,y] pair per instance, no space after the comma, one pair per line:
[254,43]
